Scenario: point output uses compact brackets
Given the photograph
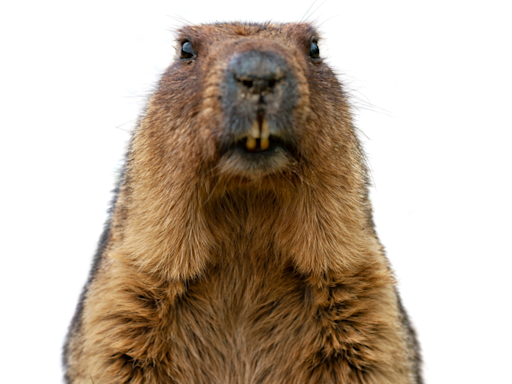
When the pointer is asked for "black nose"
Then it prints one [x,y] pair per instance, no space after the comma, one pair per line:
[260,94]
[258,72]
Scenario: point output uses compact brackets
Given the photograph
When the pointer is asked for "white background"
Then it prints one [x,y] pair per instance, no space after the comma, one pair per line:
[432,85]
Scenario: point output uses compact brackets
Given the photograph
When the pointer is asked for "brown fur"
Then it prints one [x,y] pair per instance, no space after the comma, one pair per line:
[211,273]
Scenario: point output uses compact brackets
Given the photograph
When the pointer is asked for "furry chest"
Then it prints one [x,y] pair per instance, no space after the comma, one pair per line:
[245,328]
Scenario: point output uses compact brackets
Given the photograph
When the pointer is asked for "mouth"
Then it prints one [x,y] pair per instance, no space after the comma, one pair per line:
[258,141]
[258,138]
[257,152]
[258,147]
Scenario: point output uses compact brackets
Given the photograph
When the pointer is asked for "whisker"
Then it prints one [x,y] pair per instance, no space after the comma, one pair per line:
[311,6]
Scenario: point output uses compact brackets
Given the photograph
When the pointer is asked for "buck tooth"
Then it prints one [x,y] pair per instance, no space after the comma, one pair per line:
[265,129]
[255,130]
[251,143]
[265,134]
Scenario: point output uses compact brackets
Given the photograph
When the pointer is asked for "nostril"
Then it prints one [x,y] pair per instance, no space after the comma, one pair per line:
[258,73]
[257,84]
[245,81]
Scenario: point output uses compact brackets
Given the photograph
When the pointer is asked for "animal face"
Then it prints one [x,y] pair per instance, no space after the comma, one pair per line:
[254,101]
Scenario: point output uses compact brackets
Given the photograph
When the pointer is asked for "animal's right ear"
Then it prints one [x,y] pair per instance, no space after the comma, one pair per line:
[187,51]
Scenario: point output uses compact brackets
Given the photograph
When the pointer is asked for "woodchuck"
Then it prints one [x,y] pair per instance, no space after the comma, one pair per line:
[241,246]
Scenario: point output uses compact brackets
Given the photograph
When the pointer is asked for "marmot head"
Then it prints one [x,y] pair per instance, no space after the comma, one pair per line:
[251,104]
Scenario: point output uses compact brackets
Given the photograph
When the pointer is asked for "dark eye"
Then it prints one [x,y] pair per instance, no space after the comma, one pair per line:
[186,51]
[314,51]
